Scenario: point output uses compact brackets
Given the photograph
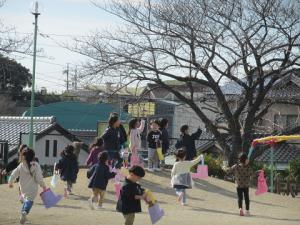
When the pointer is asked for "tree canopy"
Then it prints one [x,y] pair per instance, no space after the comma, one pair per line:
[13,76]
[251,44]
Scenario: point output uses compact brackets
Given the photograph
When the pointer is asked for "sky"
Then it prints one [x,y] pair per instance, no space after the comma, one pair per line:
[60,21]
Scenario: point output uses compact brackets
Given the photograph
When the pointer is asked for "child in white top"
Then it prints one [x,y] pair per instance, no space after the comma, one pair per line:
[135,129]
[30,176]
[180,176]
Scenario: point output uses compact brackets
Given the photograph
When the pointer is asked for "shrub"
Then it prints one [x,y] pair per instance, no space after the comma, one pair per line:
[295,168]
[214,166]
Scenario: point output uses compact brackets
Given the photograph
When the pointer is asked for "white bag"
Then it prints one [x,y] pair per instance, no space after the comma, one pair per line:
[55,178]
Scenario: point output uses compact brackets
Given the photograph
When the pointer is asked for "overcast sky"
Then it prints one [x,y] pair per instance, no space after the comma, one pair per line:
[59,20]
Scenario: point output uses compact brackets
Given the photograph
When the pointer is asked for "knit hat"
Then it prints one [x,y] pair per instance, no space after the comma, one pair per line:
[137,170]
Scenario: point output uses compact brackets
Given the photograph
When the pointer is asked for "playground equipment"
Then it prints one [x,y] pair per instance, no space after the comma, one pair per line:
[272,141]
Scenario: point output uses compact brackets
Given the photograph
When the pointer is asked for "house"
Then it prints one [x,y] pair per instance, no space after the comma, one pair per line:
[78,118]
[283,153]
[50,138]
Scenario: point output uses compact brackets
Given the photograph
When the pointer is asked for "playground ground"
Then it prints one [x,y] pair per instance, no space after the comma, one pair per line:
[211,202]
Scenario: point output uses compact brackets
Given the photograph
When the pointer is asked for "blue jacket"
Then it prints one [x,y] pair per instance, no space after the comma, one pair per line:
[99,175]
[68,166]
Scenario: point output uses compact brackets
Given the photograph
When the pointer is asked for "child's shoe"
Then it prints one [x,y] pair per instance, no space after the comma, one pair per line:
[184,204]
[91,204]
[151,170]
[23,217]
[247,213]
[241,212]
[99,207]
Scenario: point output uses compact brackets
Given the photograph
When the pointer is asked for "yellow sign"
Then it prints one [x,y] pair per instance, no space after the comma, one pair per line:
[142,109]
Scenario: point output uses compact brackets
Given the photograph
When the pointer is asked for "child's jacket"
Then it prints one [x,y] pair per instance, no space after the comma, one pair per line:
[242,174]
[68,165]
[127,203]
[93,156]
[28,181]
[99,175]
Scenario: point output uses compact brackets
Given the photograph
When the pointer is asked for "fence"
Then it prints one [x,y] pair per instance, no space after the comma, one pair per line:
[3,159]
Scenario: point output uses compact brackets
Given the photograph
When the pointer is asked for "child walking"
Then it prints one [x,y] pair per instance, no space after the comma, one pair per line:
[95,149]
[131,195]
[136,127]
[99,175]
[154,139]
[30,176]
[68,168]
[242,173]
[180,176]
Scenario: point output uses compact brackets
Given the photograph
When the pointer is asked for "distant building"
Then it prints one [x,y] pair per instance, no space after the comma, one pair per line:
[50,138]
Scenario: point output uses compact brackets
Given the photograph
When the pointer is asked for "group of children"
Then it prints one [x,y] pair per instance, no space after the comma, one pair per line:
[103,158]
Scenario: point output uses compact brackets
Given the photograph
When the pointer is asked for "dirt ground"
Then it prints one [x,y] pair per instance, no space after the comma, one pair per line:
[210,202]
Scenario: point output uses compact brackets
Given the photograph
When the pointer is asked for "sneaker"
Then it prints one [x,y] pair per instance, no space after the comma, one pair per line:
[151,170]
[23,217]
[241,212]
[184,204]
[91,204]
[99,207]
[247,213]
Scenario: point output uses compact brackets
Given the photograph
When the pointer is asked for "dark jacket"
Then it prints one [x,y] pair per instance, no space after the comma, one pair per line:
[111,139]
[99,175]
[127,203]
[165,140]
[188,142]
[123,135]
[68,166]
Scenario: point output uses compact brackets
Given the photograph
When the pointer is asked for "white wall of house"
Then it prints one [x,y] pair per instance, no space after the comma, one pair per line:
[50,158]
[183,114]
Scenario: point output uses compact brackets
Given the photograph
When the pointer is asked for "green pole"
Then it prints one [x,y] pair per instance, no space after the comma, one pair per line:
[36,14]
[272,169]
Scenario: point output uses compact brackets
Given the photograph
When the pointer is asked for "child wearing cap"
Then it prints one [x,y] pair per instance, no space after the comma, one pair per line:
[99,175]
[131,195]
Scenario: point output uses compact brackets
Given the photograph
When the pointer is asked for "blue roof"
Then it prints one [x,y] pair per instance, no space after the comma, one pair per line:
[77,115]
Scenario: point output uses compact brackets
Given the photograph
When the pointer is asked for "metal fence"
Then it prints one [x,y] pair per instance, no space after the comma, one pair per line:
[3,159]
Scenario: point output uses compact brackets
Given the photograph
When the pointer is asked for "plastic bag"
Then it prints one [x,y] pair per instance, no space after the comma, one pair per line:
[202,172]
[49,198]
[262,186]
[160,154]
[155,213]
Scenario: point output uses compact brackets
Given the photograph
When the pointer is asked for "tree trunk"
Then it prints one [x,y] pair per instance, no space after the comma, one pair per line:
[236,148]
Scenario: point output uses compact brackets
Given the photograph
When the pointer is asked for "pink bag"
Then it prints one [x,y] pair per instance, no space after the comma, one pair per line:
[118,187]
[202,172]
[49,198]
[262,186]
[155,213]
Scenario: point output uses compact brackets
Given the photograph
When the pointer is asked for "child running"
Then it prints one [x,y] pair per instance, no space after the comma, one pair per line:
[95,149]
[99,175]
[68,168]
[30,176]
[242,173]
[154,138]
[131,195]
[180,176]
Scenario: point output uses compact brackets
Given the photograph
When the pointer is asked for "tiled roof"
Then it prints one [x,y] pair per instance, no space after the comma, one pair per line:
[206,140]
[12,127]
[283,153]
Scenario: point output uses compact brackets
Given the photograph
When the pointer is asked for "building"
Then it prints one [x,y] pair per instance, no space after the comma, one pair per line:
[50,138]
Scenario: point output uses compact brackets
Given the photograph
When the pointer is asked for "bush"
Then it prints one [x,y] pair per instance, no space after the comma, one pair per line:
[295,168]
[214,166]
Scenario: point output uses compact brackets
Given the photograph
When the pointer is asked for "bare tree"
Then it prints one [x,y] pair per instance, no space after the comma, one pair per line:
[250,43]
[7,106]
[11,41]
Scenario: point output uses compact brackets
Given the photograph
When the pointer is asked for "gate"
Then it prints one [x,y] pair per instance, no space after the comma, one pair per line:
[3,159]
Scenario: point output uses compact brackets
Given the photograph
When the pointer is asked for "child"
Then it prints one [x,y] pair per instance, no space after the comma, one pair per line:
[95,149]
[135,130]
[242,173]
[180,175]
[154,138]
[187,141]
[68,168]
[131,195]
[30,176]
[99,175]
[163,126]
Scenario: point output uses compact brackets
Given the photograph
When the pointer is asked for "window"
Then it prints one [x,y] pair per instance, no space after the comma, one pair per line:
[284,122]
[54,148]
[47,148]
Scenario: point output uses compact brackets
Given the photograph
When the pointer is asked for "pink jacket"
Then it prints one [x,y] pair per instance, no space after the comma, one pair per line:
[93,156]
[135,137]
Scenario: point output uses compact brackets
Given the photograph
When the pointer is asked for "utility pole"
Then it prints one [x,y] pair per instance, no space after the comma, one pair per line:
[67,73]
[75,78]
[36,14]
